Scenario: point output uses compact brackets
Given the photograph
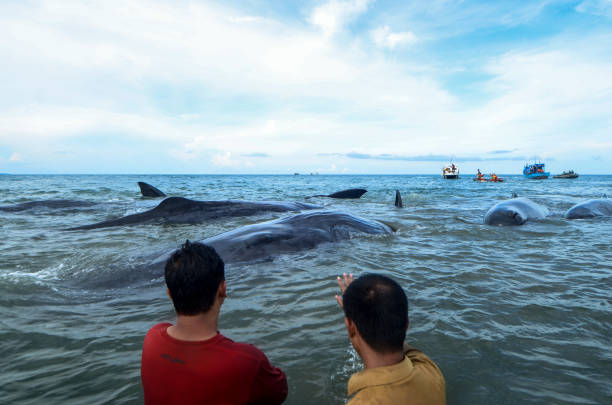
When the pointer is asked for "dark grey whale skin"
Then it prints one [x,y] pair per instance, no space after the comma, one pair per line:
[590,209]
[50,204]
[515,211]
[398,199]
[350,193]
[179,210]
[294,233]
[148,190]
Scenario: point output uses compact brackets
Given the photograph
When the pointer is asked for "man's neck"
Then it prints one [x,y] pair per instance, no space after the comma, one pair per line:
[195,327]
[372,359]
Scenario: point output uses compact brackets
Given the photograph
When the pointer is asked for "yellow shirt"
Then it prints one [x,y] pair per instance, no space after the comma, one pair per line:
[416,380]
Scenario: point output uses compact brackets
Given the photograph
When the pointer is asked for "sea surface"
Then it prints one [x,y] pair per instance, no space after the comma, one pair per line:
[510,314]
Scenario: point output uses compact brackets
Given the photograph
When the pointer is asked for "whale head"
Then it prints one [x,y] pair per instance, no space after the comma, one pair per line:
[504,216]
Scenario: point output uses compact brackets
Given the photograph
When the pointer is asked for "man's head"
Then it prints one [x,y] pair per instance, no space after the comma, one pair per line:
[378,307]
[193,276]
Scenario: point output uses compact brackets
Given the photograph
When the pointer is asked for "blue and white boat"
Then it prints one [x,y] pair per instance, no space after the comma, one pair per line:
[535,171]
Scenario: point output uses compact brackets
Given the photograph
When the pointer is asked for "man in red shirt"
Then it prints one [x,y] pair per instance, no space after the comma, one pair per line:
[190,362]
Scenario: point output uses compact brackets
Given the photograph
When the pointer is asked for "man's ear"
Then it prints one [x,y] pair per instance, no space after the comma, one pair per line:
[351,328]
[222,291]
[168,292]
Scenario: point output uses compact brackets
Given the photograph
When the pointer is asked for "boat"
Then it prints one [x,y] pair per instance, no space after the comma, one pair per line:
[494,178]
[566,175]
[535,171]
[450,172]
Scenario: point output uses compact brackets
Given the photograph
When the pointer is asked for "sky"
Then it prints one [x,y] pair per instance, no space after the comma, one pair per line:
[333,87]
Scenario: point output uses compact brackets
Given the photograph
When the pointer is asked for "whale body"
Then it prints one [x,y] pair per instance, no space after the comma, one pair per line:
[349,193]
[590,209]
[148,190]
[179,210]
[515,211]
[291,234]
[295,233]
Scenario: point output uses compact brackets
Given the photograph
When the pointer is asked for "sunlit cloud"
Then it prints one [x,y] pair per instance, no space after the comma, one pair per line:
[384,38]
[333,15]
[209,87]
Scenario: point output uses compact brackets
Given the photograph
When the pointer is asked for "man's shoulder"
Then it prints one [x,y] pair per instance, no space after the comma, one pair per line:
[160,326]
[421,360]
[157,330]
[244,349]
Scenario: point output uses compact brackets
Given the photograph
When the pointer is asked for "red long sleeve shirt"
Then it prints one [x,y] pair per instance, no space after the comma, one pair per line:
[214,371]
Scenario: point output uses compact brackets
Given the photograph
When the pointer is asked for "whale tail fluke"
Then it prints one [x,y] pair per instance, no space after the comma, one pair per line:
[398,199]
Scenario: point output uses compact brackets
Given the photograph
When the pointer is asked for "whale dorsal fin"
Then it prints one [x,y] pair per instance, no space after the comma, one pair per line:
[148,190]
[398,199]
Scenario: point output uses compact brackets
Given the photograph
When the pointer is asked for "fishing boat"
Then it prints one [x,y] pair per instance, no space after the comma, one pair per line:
[535,171]
[450,172]
[566,175]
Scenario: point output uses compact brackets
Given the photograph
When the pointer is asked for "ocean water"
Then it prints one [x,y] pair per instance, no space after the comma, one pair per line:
[510,314]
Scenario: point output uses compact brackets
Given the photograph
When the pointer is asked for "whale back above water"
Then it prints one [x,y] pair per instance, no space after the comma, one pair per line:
[179,210]
[148,190]
[350,193]
[515,211]
[298,232]
[590,209]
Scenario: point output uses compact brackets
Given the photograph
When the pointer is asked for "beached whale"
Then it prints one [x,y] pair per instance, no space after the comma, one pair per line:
[515,211]
[590,209]
[350,193]
[148,190]
[294,233]
[179,210]
[46,204]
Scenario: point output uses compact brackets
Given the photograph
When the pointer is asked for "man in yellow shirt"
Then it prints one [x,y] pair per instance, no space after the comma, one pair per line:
[376,319]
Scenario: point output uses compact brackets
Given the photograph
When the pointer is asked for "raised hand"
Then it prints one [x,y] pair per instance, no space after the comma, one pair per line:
[343,282]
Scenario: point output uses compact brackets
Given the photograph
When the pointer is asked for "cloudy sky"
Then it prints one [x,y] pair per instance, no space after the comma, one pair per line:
[341,86]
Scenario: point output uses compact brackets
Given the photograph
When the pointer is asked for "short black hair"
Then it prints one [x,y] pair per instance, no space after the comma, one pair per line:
[193,274]
[379,308]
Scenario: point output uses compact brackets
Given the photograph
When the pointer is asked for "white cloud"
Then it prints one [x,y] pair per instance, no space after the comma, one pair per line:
[598,7]
[15,157]
[548,101]
[224,160]
[331,17]
[384,38]
[103,65]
